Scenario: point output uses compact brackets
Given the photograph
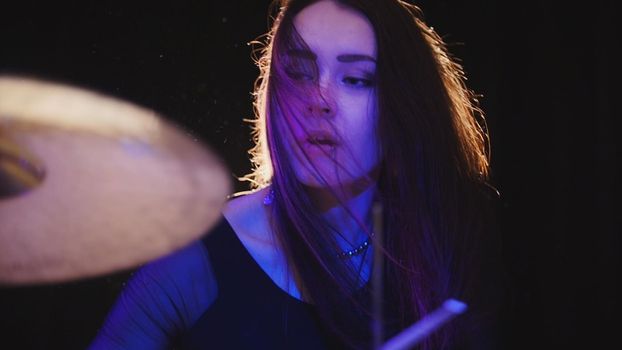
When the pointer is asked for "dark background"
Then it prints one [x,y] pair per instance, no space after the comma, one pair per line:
[548,75]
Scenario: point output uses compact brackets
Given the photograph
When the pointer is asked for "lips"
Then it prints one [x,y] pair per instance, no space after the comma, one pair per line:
[321,138]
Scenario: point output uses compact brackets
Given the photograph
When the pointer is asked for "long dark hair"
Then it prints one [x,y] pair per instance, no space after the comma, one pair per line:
[434,167]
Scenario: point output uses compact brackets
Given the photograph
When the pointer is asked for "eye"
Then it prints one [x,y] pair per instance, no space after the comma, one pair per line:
[357,82]
[299,75]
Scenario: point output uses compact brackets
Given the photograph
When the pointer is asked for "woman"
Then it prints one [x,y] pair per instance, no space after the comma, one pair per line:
[358,104]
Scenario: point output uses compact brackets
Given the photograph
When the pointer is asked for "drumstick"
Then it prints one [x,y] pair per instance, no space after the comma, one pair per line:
[377,277]
[418,331]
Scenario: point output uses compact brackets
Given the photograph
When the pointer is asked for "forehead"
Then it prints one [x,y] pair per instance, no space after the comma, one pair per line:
[331,29]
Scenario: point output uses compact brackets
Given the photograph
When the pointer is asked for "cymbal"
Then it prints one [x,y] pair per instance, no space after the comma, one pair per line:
[91,184]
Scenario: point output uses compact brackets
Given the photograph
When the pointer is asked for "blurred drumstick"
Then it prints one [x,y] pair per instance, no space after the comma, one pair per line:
[418,331]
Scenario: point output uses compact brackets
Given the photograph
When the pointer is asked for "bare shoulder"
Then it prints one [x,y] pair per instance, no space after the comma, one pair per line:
[248,216]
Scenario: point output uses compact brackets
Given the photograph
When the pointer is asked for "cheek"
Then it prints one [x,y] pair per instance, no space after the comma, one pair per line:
[367,148]
[362,153]
[361,130]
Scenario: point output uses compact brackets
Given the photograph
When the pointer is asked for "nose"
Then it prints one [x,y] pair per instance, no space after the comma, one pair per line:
[321,106]
[317,110]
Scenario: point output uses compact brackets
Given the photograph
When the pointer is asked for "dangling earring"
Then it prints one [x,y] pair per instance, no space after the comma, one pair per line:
[269,198]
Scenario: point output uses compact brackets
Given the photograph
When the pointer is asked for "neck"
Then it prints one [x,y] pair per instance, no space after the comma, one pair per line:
[347,209]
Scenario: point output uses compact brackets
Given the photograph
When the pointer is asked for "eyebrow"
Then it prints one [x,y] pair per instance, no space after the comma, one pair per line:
[345,58]
[354,58]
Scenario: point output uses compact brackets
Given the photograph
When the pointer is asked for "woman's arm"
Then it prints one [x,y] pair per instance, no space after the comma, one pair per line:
[160,301]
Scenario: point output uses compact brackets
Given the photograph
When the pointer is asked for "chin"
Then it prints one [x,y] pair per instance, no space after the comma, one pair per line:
[334,178]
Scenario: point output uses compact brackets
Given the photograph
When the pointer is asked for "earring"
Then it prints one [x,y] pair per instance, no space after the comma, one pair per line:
[269,198]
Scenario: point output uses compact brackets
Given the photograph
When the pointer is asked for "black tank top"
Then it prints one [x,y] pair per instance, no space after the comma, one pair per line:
[250,310]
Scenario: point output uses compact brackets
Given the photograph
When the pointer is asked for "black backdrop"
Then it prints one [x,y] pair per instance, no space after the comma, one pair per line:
[547,72]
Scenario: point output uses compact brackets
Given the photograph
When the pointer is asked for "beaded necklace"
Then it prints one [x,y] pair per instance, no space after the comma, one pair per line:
[269,198]
[358,250]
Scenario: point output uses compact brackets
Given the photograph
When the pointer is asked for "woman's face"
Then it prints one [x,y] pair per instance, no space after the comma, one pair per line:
[336,130]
